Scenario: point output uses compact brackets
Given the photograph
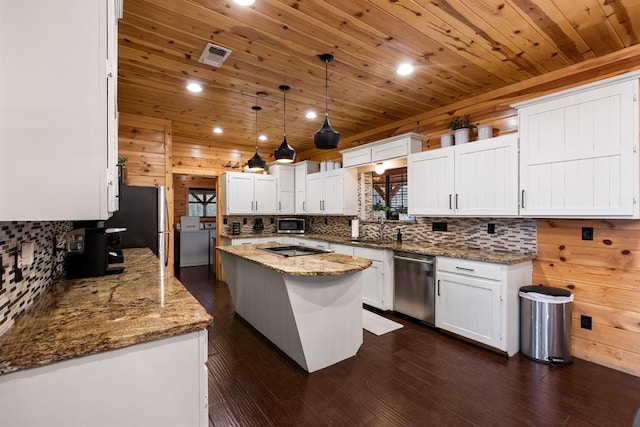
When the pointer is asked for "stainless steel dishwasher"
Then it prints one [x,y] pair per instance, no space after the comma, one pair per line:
[414,291]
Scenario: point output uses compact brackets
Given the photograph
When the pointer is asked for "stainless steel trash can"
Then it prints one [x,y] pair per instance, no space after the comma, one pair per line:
[545,324]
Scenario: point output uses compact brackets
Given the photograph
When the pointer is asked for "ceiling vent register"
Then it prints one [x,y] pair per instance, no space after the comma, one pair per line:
[214,55]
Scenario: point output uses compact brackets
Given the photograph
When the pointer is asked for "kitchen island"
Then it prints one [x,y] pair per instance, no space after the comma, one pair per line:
[126,349]
[308,306]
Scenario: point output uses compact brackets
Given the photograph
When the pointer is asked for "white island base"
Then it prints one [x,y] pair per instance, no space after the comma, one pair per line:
[315,320]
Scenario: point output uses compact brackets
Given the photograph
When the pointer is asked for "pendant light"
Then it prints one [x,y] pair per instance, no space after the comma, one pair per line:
[256,163]
[326,138]
[284,153]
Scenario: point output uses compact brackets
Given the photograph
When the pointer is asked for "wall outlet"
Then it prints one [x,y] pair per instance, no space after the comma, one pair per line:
[439,226]
[244,221]
[585,321]
[587,233]
[491,228]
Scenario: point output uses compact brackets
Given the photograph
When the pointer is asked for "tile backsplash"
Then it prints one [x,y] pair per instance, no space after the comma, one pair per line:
[511,234]
[15,297]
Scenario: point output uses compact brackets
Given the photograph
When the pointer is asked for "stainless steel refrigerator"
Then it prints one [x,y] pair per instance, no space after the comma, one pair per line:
[144,213]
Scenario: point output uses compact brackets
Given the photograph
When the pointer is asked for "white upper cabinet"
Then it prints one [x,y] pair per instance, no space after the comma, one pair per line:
[285,188]
[391,148]
[332,192]
[248,194]
[302,169]
[58,128]
[474,179]
[430,182]
[579,151]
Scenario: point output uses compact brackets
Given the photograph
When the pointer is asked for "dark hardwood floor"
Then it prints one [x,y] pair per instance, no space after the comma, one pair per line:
[414,376]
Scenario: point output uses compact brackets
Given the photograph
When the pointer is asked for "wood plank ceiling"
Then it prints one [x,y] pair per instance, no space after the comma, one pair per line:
[460,48]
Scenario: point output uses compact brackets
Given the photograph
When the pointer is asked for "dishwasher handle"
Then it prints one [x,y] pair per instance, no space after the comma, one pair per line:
[421,261]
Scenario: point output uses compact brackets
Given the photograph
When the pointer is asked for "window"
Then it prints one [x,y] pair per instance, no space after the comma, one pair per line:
[202,202]
[390,192]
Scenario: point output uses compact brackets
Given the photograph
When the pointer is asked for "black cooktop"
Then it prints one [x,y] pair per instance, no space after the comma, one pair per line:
[295,250]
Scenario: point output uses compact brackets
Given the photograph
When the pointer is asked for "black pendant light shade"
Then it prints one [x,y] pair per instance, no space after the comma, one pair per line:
[284,153]
[256,163]
[326,138]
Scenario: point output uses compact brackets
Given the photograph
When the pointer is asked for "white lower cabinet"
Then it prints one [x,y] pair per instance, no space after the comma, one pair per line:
[479,300]
[377,286]
[158,383]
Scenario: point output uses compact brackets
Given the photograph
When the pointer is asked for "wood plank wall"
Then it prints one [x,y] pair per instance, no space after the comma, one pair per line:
[181,185]
[147,144]
[604,276]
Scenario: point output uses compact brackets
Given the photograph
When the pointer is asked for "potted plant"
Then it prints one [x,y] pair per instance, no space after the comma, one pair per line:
[377,210]
[122,169]
[461,128]
[402,213]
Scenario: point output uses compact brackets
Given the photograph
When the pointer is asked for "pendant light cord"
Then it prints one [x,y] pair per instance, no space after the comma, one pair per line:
[284,117]
[326,89]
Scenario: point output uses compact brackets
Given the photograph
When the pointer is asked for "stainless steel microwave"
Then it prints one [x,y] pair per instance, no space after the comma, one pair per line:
[290,225]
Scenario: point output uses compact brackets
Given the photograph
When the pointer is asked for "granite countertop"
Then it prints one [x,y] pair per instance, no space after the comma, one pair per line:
[328,264]
[424,248]
[80,317]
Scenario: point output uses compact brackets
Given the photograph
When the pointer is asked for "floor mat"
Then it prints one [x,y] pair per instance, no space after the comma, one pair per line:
[377,324]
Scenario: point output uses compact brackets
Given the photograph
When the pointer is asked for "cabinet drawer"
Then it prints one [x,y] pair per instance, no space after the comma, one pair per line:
[485,270]
[372,254]
[342,249]
[313,243]
[356,157]
[245,241]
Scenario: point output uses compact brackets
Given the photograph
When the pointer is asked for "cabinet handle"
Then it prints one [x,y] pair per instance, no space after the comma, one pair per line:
[304,206]
[450,206]
[464,269]
[279,206]
[252,205]
[456,201]
[438,287]
[256,205]
[522,199]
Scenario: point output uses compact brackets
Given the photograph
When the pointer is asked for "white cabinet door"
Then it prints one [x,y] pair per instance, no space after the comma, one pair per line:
[578,153]
[264,194]
[315,193]
[285,184]
[486,177]
[238,193]
[300,182]
[333,183]
[55,125]
[430,182]
[247,194]
[470,307]
[302,169]
[373,285]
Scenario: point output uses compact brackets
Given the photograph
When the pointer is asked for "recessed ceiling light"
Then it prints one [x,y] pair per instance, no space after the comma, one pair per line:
[244,2]
[217,130]
[404,69]
[311,115]
[262,137]
[194,87]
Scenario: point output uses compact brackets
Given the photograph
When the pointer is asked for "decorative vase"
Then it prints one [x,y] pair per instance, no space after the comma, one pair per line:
[462,136]
[485,132]
[446,140]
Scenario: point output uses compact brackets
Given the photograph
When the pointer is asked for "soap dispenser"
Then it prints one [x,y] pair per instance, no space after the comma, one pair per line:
[399,236]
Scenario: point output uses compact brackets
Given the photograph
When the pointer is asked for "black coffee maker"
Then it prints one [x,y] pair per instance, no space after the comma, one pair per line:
[88,253]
